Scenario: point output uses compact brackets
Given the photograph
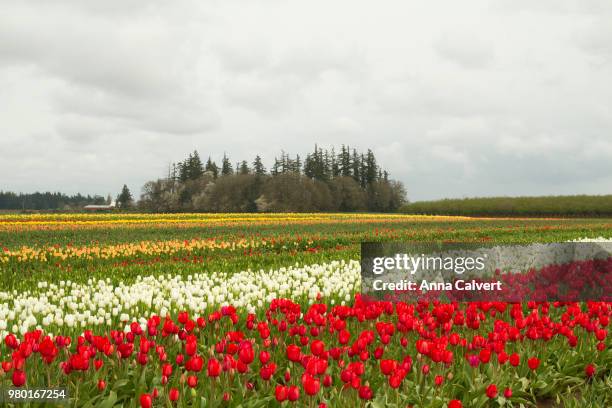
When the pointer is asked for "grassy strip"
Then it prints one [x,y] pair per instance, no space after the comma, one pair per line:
[563,206]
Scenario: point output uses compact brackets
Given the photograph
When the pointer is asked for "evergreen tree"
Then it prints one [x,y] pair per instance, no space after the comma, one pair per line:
[322,166]
[297,165]
[371,168]
[174,174]
[184,169]
[276,168]
[284,163]
[335,168]
[362,171]
[316,165]
[309,166]
[258,167]
[356,167]
[226,166]
[345,162]
[244,168]
[196,170]
[212,168]
[125,198]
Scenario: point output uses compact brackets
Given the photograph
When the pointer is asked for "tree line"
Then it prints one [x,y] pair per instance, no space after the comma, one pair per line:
[323,180]
[563,206]
[46,201]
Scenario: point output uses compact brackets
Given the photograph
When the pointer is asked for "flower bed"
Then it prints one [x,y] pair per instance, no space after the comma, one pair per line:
[388,354]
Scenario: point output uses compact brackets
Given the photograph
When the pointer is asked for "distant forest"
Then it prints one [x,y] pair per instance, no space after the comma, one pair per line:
[46,201]
[321,181]
[552,206]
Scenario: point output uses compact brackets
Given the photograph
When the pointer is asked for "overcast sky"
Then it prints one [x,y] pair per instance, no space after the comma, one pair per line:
[456,98]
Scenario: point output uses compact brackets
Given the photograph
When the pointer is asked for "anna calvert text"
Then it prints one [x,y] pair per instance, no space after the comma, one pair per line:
[460,284]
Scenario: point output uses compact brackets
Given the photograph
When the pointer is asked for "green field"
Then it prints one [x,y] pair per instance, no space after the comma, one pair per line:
[547,206]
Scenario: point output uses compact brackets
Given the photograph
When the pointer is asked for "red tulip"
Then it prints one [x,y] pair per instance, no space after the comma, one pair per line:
[19,378]
[387,366]
[508,393]
[357,367]
[47,350]
[317,347]
[195,363]
[167,370]
[492,391]
[267,371]
[246,354]
[191,348]
[533,363]
[293,393]
[327,380]
[455,404]
[7,366]
[125,349]
[280,392]
[365,392]
[192,381]
[101,385]
[214,368]
[146,401]
[173,394]
[294,353]
[98,364]
[589,370]
[264,357]
[311,384]
[11,341]
[395,381]
[142,358]
[514,359]
[343,337]
[484,356]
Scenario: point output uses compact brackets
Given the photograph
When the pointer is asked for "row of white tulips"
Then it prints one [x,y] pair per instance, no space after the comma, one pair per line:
[72,305]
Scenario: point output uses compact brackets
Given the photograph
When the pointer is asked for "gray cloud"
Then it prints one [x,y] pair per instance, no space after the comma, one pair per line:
[491,97]
[465,48]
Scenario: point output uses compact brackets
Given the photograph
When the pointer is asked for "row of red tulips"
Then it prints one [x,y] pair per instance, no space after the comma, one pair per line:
[426,354]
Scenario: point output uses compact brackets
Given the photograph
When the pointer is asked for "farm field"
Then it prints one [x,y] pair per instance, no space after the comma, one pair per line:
[259,310]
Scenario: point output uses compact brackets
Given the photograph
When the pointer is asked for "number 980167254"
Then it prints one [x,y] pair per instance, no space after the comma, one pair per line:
[17,395]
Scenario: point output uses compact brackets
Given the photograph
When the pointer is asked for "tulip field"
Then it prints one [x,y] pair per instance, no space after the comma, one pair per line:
[259,310]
